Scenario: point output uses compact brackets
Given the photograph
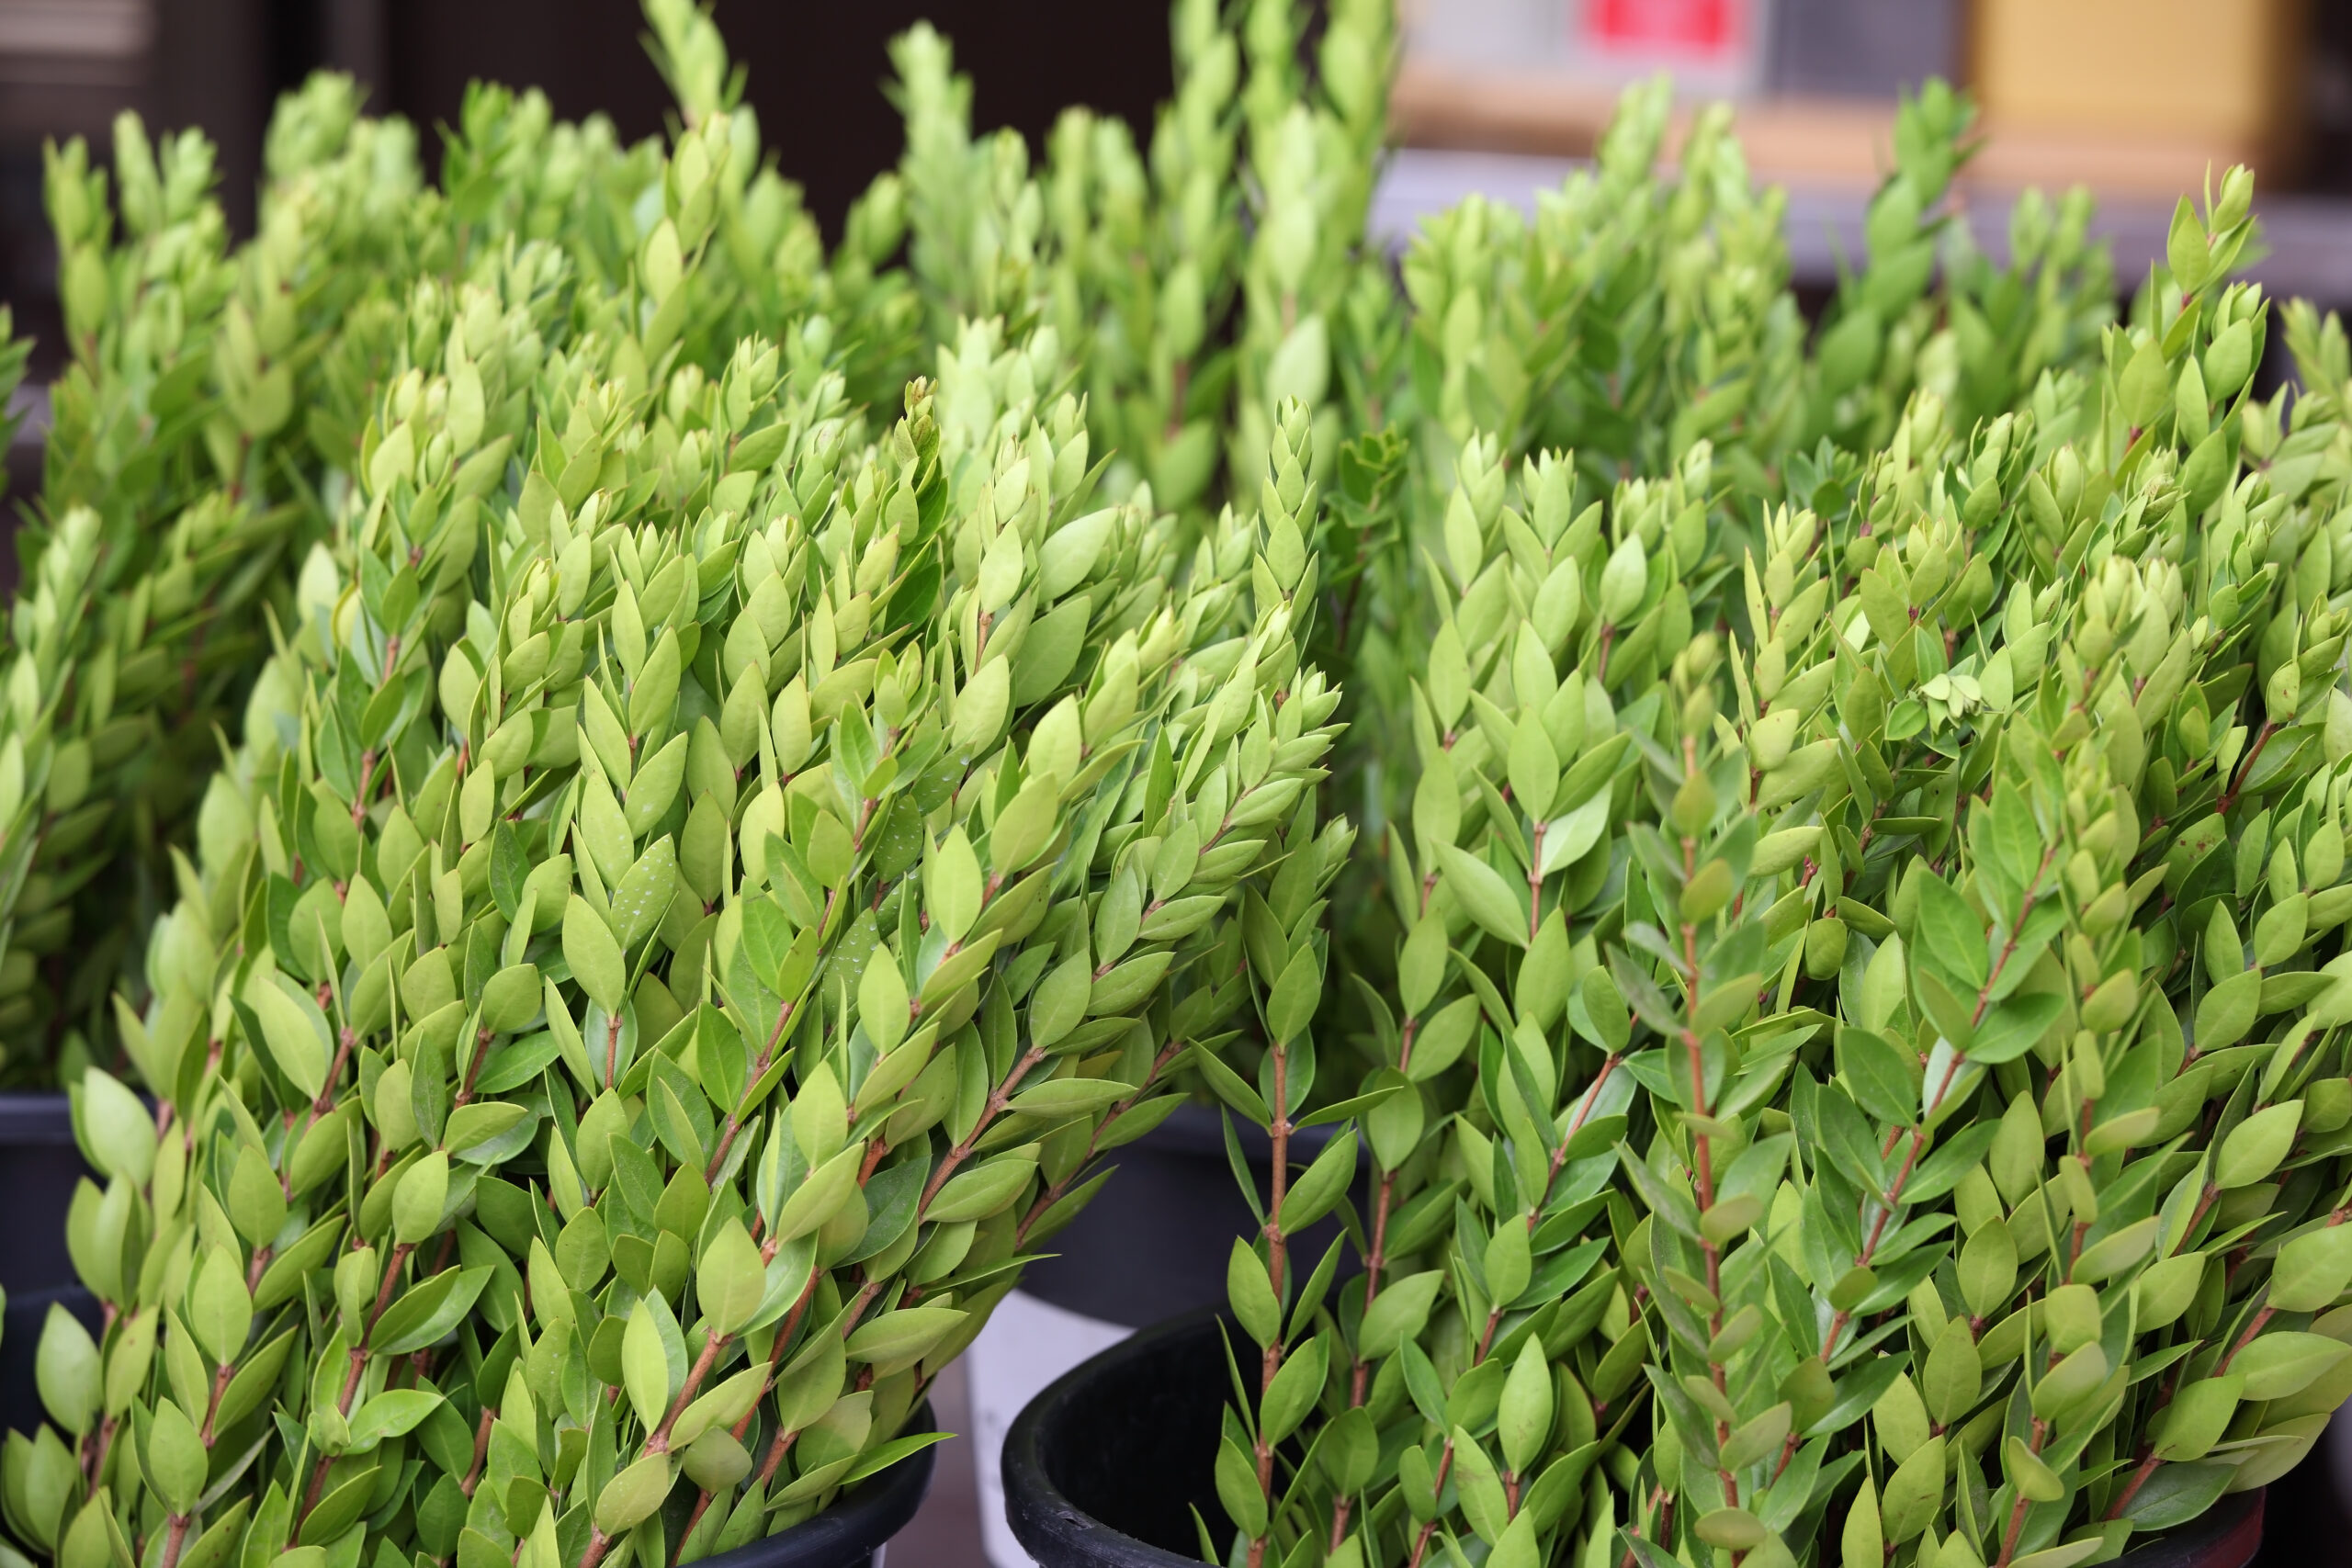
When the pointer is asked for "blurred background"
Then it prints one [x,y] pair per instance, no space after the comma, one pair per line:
[2136,99]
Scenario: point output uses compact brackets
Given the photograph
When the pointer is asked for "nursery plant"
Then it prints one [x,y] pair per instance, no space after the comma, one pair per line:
[2048,1035]
[589,965]
[1468,1379]
[174,491]
[643,861]
[1641,326]
[1148,338]
[1970,1226]
[211,413]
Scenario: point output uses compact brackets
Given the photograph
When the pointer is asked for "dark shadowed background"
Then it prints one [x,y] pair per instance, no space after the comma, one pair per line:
[67,67]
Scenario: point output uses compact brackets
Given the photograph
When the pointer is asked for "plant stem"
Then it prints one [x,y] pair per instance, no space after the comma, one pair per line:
[1705,1162]
[989,1112]
[1277,1255]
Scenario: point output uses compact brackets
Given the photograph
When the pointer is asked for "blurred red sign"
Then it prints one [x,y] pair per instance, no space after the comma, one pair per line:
[1708,30]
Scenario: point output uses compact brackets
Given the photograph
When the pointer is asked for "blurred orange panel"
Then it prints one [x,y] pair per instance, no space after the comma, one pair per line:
[2215,75]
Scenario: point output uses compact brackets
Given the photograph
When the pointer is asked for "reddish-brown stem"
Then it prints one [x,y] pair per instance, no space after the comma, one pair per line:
[775,1358]
[473,1071]
[2205,1199]
[1877,1233]
[173,1539]
[1421,1541]
[325,1100]
[1920,1133]
[212,1406]
[2017,1511]
[997,1097]
[481,1451]
[777,1452]
[2260,1320]
[1703,1161]
[759,1070]
[1378,1258]
[2131,1487]
[660,1441]
[357,1370]
[1055,1194]
[1535,883]
[2222,808]
[101,1446]
[1373,1266]
[1277,1255]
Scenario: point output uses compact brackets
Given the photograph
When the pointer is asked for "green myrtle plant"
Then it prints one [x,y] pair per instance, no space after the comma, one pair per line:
[2006,1237]
[1982,338]
[1633,317]
[1977,1218]
[1459,1393]
[975,218]
[1603,589]
[873,1053]
[1833,1047]
[1646,324]
[178,486]
[1315,153]
[211,421]
[1156,373]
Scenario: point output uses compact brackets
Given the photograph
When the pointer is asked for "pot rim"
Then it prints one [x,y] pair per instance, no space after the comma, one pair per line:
[1049,1527]
[36,1118]
[2226,1535]
[861,1520]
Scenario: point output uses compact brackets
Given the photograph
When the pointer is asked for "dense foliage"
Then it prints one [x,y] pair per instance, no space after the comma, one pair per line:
[646,803]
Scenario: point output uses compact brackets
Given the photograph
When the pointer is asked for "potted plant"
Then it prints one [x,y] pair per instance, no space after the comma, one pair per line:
[206,431]
[485,596]
[1955,1217]
[683,904]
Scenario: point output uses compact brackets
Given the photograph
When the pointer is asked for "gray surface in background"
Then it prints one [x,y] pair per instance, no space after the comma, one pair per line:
[1862,48]
[946,1533]
[2310,238]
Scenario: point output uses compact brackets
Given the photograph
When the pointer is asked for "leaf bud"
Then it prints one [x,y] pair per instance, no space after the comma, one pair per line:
[1706,893]
[2237,199]
[1699,713]
[2283,693]
[2016,1157]
[1824,947]
[1623,581]
[1694,804]
[2111,1006]
[355,1282]
[418,1202]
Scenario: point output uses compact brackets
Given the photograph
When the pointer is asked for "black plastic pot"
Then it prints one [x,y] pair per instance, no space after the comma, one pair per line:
[1105,1468]
[39,1164]
[1156,1239]
[2226,1536]
[856,1528]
